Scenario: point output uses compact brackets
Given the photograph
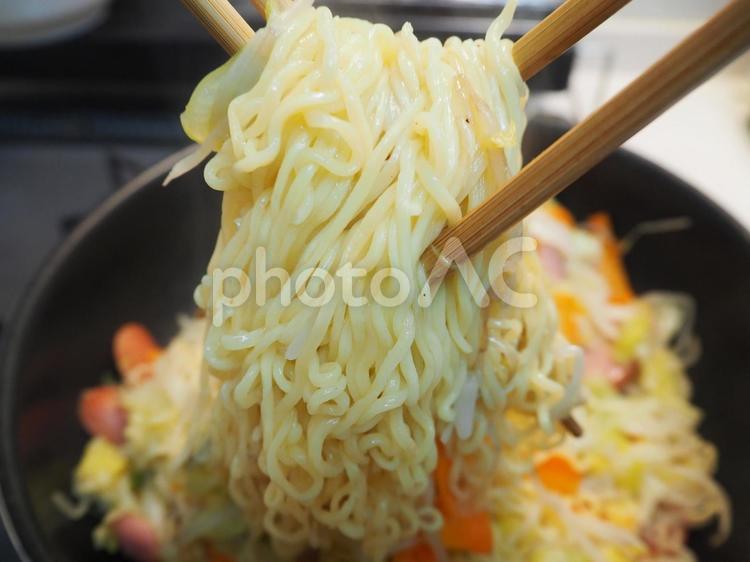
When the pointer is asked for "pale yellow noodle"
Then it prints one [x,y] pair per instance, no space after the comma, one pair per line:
[354,147]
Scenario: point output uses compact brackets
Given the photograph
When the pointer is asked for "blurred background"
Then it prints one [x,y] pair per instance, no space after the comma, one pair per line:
[91,91]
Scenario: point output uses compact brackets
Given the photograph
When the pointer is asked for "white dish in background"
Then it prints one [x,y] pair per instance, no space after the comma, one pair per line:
[35,22]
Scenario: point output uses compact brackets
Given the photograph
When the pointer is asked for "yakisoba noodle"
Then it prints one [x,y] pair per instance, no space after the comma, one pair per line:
[341,143]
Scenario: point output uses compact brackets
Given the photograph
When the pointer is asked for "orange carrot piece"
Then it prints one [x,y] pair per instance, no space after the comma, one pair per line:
[612,266]
[133,345]
[616,275]
[558,474]
[472,533]
[570,310]
[601,224]
[561,214]
[468,532]
[445,500]
[420,552]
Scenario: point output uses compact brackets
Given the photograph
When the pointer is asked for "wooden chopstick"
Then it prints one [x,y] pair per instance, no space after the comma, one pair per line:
[559,31]
[695,59]
[546,41]
[223,22]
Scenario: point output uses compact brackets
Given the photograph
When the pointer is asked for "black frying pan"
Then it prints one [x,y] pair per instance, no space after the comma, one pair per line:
[139,256]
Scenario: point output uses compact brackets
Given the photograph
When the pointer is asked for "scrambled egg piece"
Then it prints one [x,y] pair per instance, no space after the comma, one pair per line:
[101,469]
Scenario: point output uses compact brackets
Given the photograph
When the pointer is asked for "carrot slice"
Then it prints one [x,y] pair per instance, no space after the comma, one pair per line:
[570,310]
[420,552]
[561,214]
[469,532]
[445,500]
[600,223]
[133,345]
[558,474]
[472,533]
[611,266]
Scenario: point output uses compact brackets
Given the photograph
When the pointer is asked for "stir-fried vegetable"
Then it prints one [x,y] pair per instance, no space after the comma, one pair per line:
[470,532]
[101,467]
[558,474]
[571,311]
[634,332]
[446,501]
[560,213]
[556,554]
[600,362]
[661,375]
[612,266]
[133,345]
